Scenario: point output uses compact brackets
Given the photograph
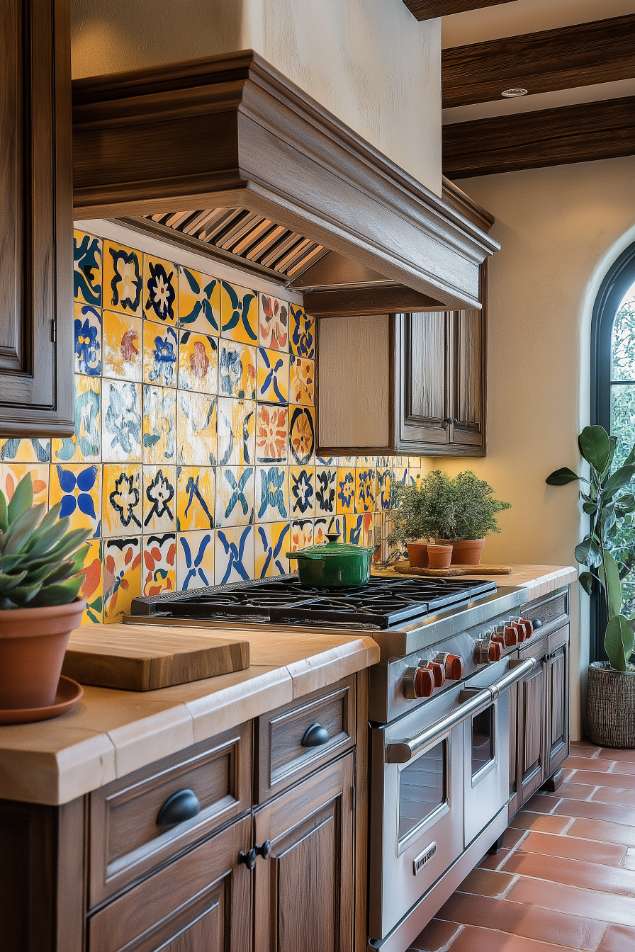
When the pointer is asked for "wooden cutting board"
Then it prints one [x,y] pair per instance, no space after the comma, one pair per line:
[404,568]
[137,658]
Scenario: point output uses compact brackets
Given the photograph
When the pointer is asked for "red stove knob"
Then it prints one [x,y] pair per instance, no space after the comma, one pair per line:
[495,651]
[454,667]
[418,682]
[510,634]
[520,630]
[438,672]
[529,628]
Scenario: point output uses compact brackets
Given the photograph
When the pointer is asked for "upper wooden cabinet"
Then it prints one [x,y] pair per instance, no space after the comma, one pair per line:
[36,264]
[412,384]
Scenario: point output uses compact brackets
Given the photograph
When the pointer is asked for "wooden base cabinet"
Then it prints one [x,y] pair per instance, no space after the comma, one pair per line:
[557,710]
[531,733]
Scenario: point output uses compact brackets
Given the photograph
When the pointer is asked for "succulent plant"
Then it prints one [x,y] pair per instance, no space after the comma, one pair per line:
[40,559]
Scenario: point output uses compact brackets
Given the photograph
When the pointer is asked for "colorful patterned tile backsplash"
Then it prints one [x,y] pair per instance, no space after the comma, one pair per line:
[193,460]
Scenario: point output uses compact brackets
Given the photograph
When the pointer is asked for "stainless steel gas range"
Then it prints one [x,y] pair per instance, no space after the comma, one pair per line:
[439,712]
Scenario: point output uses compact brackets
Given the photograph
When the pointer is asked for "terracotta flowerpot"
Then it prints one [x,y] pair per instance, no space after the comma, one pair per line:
[439,556]
[418,555]
[467,551]
[610,706]
[32,646]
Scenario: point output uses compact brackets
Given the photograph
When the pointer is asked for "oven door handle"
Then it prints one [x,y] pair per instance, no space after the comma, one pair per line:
[402,751]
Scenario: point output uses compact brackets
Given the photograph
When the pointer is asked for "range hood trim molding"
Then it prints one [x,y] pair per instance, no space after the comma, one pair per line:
[264,145]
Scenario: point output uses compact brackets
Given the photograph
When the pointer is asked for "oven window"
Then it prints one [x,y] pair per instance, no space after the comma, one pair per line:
[422,788]
[482,739]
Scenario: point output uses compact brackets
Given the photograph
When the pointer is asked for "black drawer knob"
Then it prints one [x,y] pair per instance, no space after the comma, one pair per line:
[264,849]
[314,736]
[180,806]
[536,622]
[248,858]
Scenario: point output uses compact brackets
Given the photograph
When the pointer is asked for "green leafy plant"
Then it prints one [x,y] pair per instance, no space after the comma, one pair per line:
[475,508]
[40,559]
[424,511]
[608,501]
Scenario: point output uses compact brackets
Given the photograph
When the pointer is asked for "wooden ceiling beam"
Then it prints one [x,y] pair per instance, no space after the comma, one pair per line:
[599,52]
[580,133]
[429,9]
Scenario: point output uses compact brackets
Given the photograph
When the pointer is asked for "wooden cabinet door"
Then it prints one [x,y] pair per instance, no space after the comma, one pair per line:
[557,707]
[201,902]
[36,229]
[422,369]
[531,735]
[304,890]
[466,375]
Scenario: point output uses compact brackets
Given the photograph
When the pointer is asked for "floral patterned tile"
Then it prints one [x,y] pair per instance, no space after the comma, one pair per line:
[122,346]
[237,370]
[123,278]
[302,333]
[384,488]
[272,496]
[87,339]
[199,301]
[235,495]
[236,431]
[160,282]
[325,490]
[121,505]
[195,497]
[271,543]
[272,376]
[159,563]
[301,536]
[85,444]
[78,488]
[233,554]
[194,560]
[271,434]
[160,352]
[196,428]
[16,450]
[365,490]
[12,473]
[239,313]
[159,498]
[92,589]
[159,425]
[322,528]
[121,421]
[198,362]
[302,490]
[87,269]
[273,323]
[345,497]
[121,575]
[302,381]
[359,529]
[301,434]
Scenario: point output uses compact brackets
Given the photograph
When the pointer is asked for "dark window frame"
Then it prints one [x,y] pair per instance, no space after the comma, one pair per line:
[617,281]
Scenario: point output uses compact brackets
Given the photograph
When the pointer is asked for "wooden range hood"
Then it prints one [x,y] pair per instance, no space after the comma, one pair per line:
[227,154]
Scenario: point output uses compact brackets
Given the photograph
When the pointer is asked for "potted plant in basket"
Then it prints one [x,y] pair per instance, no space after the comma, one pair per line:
[609,503]
[422,513]
[40,578]
[475,512]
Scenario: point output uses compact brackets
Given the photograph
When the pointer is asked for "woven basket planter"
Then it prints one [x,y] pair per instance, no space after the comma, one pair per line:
[610,707]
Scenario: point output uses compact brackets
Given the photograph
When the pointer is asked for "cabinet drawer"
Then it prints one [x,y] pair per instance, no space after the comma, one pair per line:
[297,738]
[549,609]
[126,838]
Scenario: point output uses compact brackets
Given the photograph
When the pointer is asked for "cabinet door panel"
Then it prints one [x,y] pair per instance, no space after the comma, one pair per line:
[36,263]
[423,349]
[304,890]
[467,378]
[557,708]
[531,739]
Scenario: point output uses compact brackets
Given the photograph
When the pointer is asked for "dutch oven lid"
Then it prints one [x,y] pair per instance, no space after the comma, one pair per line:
[330,549]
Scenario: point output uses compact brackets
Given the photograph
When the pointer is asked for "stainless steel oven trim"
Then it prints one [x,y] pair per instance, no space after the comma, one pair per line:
[404,843]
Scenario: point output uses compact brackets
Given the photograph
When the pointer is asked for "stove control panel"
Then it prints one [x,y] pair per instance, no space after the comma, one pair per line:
[428,676]
[506,634]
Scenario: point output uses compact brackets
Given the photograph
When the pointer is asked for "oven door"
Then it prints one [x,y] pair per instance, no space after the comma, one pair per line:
[486,765]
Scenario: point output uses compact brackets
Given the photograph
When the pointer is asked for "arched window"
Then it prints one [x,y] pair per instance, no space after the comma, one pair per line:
[613,379]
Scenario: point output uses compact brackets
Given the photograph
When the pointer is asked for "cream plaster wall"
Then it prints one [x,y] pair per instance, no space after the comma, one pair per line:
[368,61]
[560,229]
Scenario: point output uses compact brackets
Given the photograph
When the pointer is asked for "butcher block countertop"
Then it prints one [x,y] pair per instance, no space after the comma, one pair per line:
[111,733]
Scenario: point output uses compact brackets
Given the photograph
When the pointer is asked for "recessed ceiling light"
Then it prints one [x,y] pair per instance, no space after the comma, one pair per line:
[514,92]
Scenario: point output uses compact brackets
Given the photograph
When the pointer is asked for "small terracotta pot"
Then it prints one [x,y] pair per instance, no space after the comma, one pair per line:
[467,551]
[439,556]
[32,646]
[418,555]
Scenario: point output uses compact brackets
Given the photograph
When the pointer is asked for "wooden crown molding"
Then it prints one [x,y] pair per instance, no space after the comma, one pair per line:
[231,131]
[429,9]
[580,55]
[466,205]
[580,133]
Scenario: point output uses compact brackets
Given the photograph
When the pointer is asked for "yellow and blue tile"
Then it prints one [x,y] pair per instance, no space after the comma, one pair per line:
[160,283]
[160,353]
[359,529]
[323,527]
[159,563]
[301,435]
[159,425]
[384,488]
[325,490]
[196,422]
[87,339]
[302,332]
[198,362]
[300,536]
[237,370]
[365,489]
[235,495]
[239,313]
[77,486]
[122,346]
[273,323]
[123,278]
[12,473]
[236,432]
[345,495]
[121,575]
[195,497]
[271,433]
[159,498]
[302,490]
[199,301]
[121,499]
[271,542]
[272,376]
[194,559]
[87,268]
[15,449]
[272,493]
[233,554]
[302,381]
[92,587]
[121,421]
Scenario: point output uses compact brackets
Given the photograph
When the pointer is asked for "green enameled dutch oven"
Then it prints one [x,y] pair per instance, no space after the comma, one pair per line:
[333,565]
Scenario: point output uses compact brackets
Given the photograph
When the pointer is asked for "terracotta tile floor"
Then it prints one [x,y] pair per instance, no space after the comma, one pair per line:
[565,878]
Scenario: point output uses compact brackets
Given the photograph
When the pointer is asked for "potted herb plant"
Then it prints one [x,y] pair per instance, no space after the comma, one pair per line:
[40,578]
[609,502]
[475,512]
[423,513]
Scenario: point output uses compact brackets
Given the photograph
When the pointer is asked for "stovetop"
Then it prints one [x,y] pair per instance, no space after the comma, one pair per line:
[381,604]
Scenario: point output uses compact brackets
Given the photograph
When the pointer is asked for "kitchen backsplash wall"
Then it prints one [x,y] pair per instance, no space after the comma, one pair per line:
[193,461]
